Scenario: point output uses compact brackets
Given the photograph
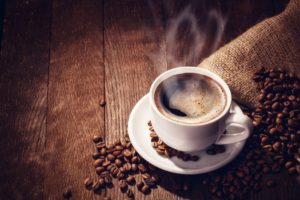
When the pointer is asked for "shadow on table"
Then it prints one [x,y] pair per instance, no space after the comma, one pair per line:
[2,5]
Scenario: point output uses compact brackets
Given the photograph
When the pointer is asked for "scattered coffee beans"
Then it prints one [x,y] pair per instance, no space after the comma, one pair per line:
[120,161]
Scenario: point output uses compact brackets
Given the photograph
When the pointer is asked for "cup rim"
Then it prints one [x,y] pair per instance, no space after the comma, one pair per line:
[190,69]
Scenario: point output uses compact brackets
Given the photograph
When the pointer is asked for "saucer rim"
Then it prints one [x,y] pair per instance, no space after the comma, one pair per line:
[178,170]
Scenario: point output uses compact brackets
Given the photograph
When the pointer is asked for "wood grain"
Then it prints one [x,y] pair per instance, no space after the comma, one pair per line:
[134,56]
[23,100]
[76,87]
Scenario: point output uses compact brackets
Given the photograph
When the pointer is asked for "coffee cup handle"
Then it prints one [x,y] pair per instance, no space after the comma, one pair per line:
[238,127]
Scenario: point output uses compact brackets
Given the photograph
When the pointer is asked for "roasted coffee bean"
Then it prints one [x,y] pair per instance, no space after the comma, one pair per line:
[98,162]
[102,103]
[127,167]
[100,145]
[67,194]
[130,180]
[107,179]
[99,170]
[118,162]
[127,153]
[139,185]
[95,155]
[195,158]
[103,151]
[101,182]
[120,175]
[145,189]
[288,164]
[270,183]
[106,163]
[88,183]
[96,186]
[298,169]
[134,167]
[130,193]
[134,159]
[123,186]
[110,157]
[97,139]
[142,168]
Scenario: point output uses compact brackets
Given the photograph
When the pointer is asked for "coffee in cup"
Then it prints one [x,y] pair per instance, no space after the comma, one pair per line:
[190,98]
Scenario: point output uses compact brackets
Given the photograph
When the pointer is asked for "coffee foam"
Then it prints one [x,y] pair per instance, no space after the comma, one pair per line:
[198,98]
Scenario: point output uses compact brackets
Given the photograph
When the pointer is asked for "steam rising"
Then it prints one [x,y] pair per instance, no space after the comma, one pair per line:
[190,35]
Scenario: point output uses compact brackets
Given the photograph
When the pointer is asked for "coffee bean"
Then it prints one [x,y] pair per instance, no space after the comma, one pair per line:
[101,182]
[103,151]
[99,170]
[123,186]
[98,162]
[100,145]
[110,157]
[117,153]
[270,183]
[130,180]
[142,168]
[127,153]
[273,131]
[276,146]
[292,170]
[298,169]
[106,163]
[97,139]
[102,103]
[118,162]
[134,167]
[88,183]
[96,186]
[288,164]
[139,185]
[130,193]
[194,158]
[67,194]
[120,175]
[95,155]
[145,189]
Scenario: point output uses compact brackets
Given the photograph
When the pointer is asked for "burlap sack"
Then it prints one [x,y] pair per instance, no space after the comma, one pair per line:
[273,43]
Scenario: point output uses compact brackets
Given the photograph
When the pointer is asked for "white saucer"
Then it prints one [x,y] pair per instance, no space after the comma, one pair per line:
[140,138]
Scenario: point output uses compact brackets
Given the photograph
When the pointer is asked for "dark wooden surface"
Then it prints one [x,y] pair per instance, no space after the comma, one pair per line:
[59,59]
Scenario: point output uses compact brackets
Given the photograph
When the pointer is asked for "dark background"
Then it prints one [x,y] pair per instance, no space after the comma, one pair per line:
[59,59]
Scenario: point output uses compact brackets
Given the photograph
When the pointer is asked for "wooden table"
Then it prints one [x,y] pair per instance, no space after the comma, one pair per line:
[59,59]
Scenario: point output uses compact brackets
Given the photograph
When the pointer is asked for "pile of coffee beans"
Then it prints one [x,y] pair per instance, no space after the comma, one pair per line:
[277,118]
[274,144]
[121,162]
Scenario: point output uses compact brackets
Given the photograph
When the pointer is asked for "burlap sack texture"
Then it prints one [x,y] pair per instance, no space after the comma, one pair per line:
[273,43]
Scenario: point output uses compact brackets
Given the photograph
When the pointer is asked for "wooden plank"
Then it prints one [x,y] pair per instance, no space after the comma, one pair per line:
[23,88]
[134,56]
[76,87]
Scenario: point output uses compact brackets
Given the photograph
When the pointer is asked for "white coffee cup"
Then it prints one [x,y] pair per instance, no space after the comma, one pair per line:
[198,136]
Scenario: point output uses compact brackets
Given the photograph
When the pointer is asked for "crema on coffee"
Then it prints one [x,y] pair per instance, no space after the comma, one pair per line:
[190,98]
